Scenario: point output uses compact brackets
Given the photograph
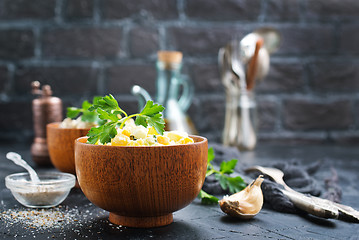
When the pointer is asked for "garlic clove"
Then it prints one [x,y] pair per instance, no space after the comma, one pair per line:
[246,203]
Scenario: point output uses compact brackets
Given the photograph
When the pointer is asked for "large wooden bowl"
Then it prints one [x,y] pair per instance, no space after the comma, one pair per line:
[61,145]
[141,186]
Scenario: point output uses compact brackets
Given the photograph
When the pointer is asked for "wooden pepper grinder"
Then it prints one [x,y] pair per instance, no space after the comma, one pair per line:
[45,109]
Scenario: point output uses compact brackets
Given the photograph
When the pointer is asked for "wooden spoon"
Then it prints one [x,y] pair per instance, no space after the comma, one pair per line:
[253,64]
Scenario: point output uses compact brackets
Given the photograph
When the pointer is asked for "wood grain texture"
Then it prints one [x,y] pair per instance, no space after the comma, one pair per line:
[141,182]
[60,143]
[253,66]
[141,222]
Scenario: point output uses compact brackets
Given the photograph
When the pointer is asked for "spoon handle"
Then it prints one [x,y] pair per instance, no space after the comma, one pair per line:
[253,65]
[16,158]
[312,205]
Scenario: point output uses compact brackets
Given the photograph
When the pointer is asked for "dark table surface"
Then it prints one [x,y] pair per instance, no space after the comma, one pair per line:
[197,221]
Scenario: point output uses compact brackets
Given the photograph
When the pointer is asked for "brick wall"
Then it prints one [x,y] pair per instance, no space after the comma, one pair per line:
[84,48]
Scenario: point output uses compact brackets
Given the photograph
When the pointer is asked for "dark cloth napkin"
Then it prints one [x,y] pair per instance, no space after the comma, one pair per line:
[299,177]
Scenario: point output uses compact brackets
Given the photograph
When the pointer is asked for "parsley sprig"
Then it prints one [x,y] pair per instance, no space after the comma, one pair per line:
[86,114]
[232,184]
[108,109]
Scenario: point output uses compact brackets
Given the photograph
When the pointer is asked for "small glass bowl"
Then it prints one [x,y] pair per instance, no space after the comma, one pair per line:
[52,189]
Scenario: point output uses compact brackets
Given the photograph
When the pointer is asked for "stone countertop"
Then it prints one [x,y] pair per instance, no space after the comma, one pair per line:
[197,221]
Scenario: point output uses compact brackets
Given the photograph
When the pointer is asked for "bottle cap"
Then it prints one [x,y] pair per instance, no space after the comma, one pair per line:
[170,57]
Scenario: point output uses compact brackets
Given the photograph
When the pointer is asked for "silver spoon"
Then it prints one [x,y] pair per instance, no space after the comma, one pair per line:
[226,74]
[230,87]
[16,158]
[314,205]
[301,201]
[237,66]
[271,38]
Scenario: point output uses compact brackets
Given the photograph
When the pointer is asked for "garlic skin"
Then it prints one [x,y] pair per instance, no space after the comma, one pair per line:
[246,203]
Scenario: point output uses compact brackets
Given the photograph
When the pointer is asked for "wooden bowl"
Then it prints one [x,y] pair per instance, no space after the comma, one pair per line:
[60,142]
[141,186]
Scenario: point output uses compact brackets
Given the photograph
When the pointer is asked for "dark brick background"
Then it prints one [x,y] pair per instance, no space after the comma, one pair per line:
[84,48]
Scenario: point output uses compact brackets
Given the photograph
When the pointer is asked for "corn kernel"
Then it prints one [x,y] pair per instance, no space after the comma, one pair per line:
[163,140]
[186,140]
[140,142]
[126,133]
[120,141]
[175,135]
[152,131]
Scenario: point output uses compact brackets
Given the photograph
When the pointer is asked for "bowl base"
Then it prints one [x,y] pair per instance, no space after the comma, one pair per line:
[141,222]
[77,185]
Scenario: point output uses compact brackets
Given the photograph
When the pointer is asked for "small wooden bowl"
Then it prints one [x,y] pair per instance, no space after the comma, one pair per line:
[60,142]
[141,186]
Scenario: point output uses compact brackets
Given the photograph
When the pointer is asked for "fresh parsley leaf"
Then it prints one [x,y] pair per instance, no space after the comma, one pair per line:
[107,103]
[108,133]
[86,105]
[210,172]
[103,133]
[151,109]
[111,101]
[236,184]
[73,112]
[211,154]
[104,115]
[151,115]
[87,116]
[227,167]
[156,121]
[108,110]
[141,120]
[232,184]
[207,198]
[94,134]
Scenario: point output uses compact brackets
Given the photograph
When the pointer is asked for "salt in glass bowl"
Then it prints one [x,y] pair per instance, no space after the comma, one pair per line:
[52,189]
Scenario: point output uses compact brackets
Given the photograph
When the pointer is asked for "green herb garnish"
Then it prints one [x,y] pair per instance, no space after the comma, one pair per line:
[232,184]
[107,109]
[86,114]
[207,198]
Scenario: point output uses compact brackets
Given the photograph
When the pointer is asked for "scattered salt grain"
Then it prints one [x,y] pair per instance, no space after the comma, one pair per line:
[40,218]
[87,221]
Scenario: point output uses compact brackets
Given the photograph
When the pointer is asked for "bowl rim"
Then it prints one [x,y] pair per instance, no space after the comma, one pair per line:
[203,140]
[56,125]
[69,181]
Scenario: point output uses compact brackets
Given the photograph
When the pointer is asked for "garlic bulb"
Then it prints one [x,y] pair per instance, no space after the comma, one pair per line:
[246,203]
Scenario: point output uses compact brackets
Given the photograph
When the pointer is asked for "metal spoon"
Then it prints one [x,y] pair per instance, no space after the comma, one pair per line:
[228,80]
[317,206]
[271,38]
[16,158]
[271,41]
[301,201]
[237,66]
[225,69]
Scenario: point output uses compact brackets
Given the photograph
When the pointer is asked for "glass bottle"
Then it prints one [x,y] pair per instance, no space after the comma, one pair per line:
[174,91]
[240,128]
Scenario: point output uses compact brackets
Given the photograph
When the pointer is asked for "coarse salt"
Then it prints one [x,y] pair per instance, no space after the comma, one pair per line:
[40,218]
